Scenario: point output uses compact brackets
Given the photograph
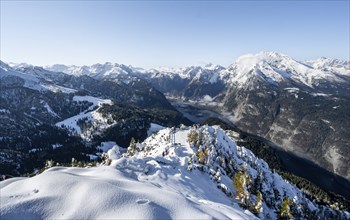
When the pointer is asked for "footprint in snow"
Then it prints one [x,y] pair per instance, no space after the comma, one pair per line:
[142,201]
[24,195]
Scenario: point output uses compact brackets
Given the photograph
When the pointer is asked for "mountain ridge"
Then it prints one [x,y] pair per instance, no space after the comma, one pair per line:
[201,167]
[109,68]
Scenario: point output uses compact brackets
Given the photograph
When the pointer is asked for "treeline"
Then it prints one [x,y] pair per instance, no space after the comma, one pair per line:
[22,155]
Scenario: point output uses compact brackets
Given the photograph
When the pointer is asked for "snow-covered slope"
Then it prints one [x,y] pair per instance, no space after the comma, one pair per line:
[109,193]
[157,179]
[139,187]
[10,76]
[31,77]
[90,116]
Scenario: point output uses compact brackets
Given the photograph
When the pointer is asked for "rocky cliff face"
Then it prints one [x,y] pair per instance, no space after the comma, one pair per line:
[301,108]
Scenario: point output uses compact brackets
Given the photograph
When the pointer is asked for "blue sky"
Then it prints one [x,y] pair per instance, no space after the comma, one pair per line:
[172,33]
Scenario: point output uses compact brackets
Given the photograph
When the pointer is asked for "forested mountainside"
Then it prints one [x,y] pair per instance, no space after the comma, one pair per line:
[45,115]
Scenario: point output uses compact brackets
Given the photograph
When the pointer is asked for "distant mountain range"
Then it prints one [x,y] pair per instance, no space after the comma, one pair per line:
[301,106]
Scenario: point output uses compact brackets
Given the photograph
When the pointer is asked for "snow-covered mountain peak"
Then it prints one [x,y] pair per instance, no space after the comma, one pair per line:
[331,65]
[57,68]
[4,65]
[213,67]
[274,68]
[246,62]
[19,65]
[269,66]
[32,77]
[10,76]
[107,70]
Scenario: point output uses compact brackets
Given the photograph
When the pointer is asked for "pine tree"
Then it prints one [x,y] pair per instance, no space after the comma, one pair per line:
[192,137]
[284,212]
[240,184]
[132,147]
[105,159]
[74,162]
[206,151]
[200,157]
[49,164]
[257,207]
[257,184]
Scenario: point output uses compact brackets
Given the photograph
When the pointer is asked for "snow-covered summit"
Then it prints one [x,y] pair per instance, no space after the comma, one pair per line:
[333,65]
[324,62]
[205,74]
[275,68]
[98,71]
[4,65]
[19,65]
[174,174]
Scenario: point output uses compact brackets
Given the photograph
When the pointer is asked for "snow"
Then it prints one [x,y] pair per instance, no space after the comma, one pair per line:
[114,152]
[95,101]
[180,154]
[30,79]
[54,146]
[48,108]
[117,192]
[162,180]
[154,128]
[105,146]
[208,73]
[292,89]
[326,121]
[331,65]
[5,111]
[33,150]
[320,94]
[207,98]
[31,82]
[275,67]
[57,88]
[98,71]
[91,114]
[271,67]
